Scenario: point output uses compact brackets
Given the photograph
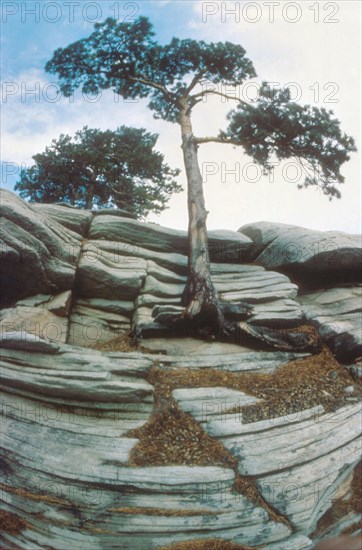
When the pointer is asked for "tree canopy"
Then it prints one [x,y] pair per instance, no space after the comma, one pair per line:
[98,168]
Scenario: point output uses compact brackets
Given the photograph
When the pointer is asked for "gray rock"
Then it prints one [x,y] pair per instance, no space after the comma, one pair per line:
[230,517]
[100,275]
[311,258]
[194,353]
[35,301]
[355,369]
[89,327]
[224,424]
[337,315]
[305,492]
[60,304]
[225,246]
[26,342]
[150,300]
[34,320]
[295,542]
[288,447]
[120,307]
[76,219]
[160,289]
[164,275]
[268,295]
[38,254]
[277,313]
[74,375]
[204,403]
[68,410]
[124,252]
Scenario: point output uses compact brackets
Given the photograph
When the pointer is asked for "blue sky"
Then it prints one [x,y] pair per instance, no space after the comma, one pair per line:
[314,45]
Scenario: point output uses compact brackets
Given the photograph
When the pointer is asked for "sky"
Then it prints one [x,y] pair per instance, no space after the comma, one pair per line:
[312,47]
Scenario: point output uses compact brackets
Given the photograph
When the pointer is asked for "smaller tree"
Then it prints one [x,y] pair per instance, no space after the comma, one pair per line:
[102,169]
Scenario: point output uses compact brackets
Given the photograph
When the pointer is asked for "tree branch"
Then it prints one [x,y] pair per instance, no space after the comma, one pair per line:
[221,94]
[143,80]
[217,140]
[194,81]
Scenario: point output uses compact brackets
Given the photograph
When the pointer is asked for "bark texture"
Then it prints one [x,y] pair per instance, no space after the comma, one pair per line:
[200,297]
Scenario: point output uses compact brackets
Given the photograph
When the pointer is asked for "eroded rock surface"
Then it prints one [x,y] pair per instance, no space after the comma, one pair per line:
[337,314]
[311,258]
[38,254]
[70,411]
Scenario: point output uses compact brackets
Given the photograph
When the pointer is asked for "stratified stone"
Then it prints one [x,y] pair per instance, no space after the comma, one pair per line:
[38,254]
[76,219]
[225,246]
[313,259]
[337,314]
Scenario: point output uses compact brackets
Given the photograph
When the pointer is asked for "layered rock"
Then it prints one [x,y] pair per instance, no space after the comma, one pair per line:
[66,466]
[224,245]
[73,218]
[337,315]
[317,261]
[38,254]
[70,411]
[46,316]
[300,460]
[313,259]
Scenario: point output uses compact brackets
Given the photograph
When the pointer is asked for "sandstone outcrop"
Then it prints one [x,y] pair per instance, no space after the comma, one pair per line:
[313,259]
[73,415]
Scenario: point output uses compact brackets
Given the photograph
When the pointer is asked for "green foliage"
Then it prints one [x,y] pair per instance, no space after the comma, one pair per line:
[102,168]
[125,58]
[276,126]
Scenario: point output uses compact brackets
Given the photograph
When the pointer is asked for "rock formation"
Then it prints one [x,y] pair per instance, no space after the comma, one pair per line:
[265,444]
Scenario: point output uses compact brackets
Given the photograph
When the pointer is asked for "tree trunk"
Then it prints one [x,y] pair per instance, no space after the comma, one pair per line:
[90,190]
[204,311]
[200,296]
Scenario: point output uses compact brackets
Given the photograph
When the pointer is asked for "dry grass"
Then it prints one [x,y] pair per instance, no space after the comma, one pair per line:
[174,437]
[209,544]
[297,385]
[11,523]
[123,342]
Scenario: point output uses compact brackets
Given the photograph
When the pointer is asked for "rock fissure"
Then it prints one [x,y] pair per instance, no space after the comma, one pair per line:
[85,234]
